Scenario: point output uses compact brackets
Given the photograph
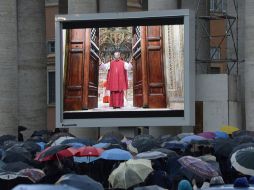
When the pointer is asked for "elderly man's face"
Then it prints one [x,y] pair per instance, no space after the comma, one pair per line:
[117,55]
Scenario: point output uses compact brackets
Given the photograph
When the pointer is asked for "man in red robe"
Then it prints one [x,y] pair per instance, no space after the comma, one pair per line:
[117,80]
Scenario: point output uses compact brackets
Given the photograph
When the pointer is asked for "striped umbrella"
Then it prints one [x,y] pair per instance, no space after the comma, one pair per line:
[242,161]
[198,167]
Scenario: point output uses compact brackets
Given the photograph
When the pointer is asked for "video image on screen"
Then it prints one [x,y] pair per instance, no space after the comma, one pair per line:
[132,68]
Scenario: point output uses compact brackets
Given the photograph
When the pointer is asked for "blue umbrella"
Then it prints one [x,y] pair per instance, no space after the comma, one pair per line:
[221,135]
[175,145]
[42,145]
[116,154]
[85,159]
[230,187]
[44,187]
[190,138]
[102,145]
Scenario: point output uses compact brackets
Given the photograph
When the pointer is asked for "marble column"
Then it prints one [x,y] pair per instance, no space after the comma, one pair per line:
[8,67]
[32,75]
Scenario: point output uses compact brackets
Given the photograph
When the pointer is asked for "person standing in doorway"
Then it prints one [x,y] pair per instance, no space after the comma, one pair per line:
[117,79]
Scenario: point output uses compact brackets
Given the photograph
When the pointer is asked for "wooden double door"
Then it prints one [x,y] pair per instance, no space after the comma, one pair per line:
[82,68]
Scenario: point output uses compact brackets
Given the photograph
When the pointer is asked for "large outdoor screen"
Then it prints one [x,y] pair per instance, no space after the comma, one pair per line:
[125,69]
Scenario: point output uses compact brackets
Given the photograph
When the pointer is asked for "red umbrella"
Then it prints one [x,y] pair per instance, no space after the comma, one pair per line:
[68,152]
[89,151]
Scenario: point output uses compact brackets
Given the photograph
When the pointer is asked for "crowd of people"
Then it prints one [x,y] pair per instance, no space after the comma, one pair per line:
[209,160]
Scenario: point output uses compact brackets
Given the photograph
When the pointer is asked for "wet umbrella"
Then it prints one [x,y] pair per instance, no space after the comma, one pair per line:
[33,173]
[119,136]
[164,138]
[190,138]
[86,142]
[243,139]
[31,146]
[175,145]
[116,154]
[242,133]
[198,167]
[182,135]
[151,155]
[89,151]
[223,147]
[8,180]
[242,146]
[229,129]
[15,166]
[80,182]
[229,187]
[9,143]
[242,161]
[49,152]
[109,139]
[85,159]
[59,140]
[44,187]
[168,152]
[151,187]
[221,135]
[58,135]
[207,135]
[17,153]
[130,173]
[4,138]
[102,145]
[144,143]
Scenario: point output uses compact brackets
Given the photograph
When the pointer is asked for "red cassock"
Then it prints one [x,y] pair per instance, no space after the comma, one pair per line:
[117,82]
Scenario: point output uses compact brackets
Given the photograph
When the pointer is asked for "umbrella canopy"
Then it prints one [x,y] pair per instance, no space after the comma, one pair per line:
[4,138]
[79,182]
[116,154]
[44,187]
[242,132]
[198,167]
[144,143]
[150,155]
[207,135]
[243,139]
[190,138]
[119,136]
[182,135]
[130,173]
[60,140]
[17,153]
[229,129]
[15,166]
[168,152]
[164,138]
[102,145]
[83,141]
[48,153]
[89,151]
[221,135]
[33,173]
[85,159]
[151,187]
[229,187]
[242,161]
[31,146]
[8,180]
[242,146]
[109,139]
[174,145]
[223,147]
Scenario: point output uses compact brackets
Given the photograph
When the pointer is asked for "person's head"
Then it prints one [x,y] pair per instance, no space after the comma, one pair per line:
[184,185]
[117,55]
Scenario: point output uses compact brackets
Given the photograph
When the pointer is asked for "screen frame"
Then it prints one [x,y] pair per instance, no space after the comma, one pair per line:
[188,118]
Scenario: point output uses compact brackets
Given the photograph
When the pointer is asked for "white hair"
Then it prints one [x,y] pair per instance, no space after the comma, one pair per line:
[117,55]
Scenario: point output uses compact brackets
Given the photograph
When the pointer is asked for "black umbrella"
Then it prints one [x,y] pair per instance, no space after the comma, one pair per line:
[119,136]
[86,142]
[144,143]
[17,153]
[15,166]
[242,146]
[242,133]
[151,187]
[9,143]
[243,139]
[31,146]
[40,133]
[80,182]
[52,151]
[168,152]
[109,139]
[165,138]
[224,147]
[9,180]
[4,138]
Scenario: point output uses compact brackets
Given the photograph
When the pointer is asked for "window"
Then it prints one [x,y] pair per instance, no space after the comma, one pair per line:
[51,87]
[215,53]
[51,46]
[218,6]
